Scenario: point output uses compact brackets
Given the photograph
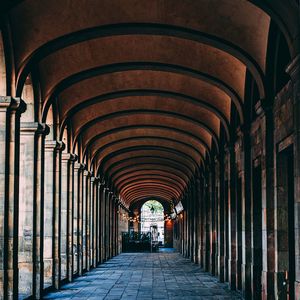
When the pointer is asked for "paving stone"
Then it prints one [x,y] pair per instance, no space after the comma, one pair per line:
[146,276]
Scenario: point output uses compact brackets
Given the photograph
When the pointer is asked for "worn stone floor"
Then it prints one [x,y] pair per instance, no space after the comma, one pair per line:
[164,275]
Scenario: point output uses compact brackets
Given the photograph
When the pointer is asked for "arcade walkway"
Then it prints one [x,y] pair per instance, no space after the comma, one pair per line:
[105,105]
[145,276]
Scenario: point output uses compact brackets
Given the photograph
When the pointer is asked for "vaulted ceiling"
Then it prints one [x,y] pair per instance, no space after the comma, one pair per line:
[145,86]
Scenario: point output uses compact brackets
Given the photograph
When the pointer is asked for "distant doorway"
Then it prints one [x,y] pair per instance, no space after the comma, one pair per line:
[152,220]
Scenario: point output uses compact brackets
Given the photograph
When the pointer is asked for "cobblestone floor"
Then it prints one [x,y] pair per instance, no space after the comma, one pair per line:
[160,276]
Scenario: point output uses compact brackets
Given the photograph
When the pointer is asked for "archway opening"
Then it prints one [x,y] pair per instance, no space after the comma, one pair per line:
[152,220]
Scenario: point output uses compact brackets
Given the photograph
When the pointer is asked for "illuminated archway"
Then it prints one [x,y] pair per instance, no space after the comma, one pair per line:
[152,216]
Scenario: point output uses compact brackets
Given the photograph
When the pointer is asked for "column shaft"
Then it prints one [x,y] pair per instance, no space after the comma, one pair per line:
[10,111]
[57,215]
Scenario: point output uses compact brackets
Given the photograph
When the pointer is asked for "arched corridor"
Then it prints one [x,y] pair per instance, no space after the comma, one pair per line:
[105,105]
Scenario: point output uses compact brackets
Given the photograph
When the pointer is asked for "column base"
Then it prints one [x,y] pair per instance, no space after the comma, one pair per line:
[221,267]
[232,274]
[246,281]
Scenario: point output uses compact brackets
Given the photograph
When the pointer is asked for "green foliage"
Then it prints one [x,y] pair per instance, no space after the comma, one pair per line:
[154,206]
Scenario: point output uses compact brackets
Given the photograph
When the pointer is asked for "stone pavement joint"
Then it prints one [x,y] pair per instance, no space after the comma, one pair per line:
[160,276]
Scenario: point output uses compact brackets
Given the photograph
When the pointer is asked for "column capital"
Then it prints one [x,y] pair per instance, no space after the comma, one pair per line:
[293,69]
[95,179]
[79,166]
[54,145]
[50,145]
[34,127]
[60,146]
[12,103]
[74,157]
[87,173]
[68,157]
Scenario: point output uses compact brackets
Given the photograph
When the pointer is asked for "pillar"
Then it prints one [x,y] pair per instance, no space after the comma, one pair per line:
[31,232]
[49,157]
[100,226]
[213,240]
[65,173]
[294,72]
[267,277]
[207,222]
[202,221]
[26,200]
[10,112]
[104,229]
[95,212]
[221,216]
[67,204]
[198,219]
[195,220]
[57,215]
[232,220]
[38,217]
[77,215]
[246,212]
[109,224]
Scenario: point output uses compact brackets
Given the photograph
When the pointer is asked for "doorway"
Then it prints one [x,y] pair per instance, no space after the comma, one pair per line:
[152,220]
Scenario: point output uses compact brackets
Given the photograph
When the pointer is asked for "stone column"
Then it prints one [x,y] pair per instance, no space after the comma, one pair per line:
[207,222]
[95,212]
[108,224]
[31,209]
[48,212]
[198,219]
[78,167]
[187,240]
[221,216]
[80,219]
[92,218]
[70,217]
[232,220]
[112,225]
[118,214]
[28,155]
[65,160]
[294,71]
[75,218]
[201,218]
[57,214]
[38,217]
[10,112]
[239,194]
[213,240]
[86,219]
[263,277]
[67,173]
[185,228]
[99,223]
[104,232]
[195,225]
[191,225]
[246,212]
